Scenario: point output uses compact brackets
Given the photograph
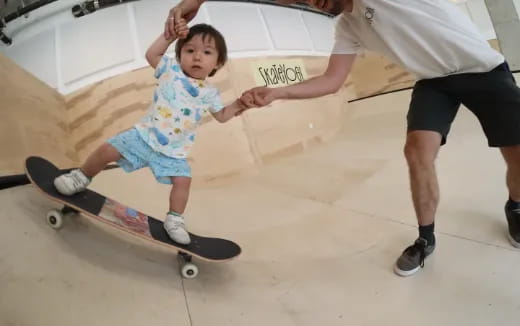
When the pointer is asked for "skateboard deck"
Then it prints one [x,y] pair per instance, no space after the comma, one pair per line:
[42,173]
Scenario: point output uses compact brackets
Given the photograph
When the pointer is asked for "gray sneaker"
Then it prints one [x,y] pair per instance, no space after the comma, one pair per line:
[413,258]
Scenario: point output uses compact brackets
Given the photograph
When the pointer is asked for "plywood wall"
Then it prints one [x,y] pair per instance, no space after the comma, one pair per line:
[32,120]
[373,74]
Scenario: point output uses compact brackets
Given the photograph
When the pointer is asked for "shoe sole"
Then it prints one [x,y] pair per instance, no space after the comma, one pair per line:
[513,241]
[402,273]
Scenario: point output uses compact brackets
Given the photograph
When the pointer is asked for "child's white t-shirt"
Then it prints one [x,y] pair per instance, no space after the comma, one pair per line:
[430,38]
[179,103]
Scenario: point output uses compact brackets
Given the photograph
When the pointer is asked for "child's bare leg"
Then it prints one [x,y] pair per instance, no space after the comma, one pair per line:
[78,180]
[98,159]
[174,222]
[179,194]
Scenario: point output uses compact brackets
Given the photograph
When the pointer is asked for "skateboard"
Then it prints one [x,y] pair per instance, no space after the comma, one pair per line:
[42,173]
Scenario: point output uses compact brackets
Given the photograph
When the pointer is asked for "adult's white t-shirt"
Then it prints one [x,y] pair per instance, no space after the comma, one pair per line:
[430,38]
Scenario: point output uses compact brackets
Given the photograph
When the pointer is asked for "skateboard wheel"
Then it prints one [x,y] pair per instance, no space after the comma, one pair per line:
[55,219]
[189,270]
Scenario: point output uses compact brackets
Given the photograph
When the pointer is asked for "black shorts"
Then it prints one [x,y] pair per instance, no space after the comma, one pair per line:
[493,97]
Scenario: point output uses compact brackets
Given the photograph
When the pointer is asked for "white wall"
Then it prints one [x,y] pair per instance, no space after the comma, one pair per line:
[517,5]
[478,12]
[69,53]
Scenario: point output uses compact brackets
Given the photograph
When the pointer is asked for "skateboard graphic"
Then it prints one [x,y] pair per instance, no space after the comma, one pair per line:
[42,173]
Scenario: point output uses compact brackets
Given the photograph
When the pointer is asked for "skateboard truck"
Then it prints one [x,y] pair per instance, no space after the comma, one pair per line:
[55,216]
[188,269]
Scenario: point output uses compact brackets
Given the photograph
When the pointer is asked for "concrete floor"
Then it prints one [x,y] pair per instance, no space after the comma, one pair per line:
[319,231]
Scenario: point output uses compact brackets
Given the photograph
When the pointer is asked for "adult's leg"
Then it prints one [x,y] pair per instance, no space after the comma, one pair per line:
[512,157]
[431,113]
[494,97]
[421,151]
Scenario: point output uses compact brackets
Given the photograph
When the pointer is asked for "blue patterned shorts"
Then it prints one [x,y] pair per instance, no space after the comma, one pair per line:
[138,154]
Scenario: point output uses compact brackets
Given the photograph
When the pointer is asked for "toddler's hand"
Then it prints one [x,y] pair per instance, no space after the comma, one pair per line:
[181,28]
[248,100]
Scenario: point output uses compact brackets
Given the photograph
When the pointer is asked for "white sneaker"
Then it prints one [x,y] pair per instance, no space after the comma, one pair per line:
[71,183]
[174,226]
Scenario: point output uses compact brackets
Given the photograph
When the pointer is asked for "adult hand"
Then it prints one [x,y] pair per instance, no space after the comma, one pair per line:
[248,100]
[187,10]
[261,96]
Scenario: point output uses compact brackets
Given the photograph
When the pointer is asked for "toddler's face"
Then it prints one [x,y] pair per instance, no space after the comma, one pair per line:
[199,57]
